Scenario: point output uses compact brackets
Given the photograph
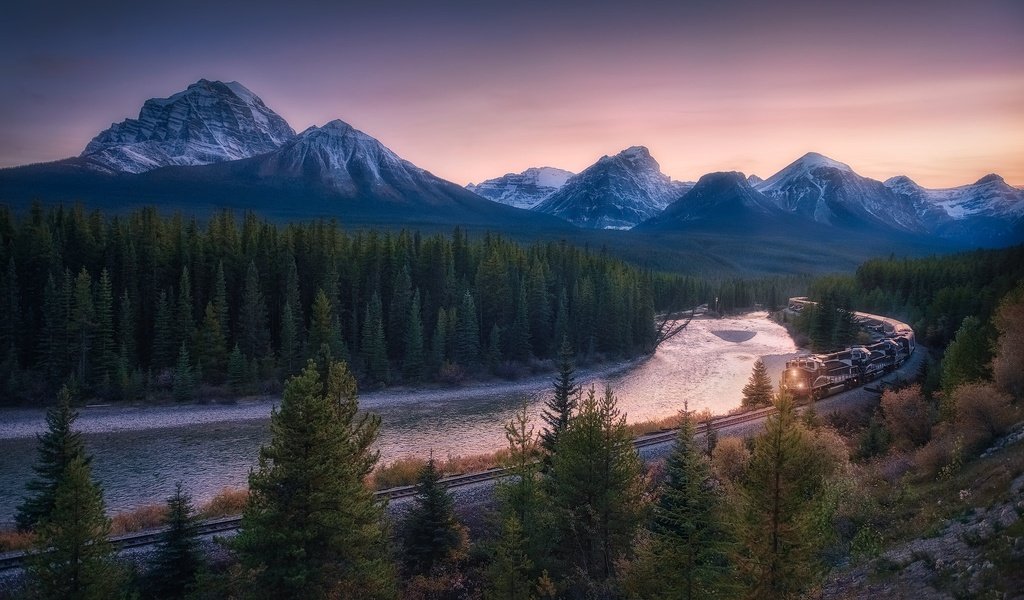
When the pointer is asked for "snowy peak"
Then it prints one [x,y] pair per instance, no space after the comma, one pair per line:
[990,178]
[716,197]
[990,198]
[208,122]
[522,190]
[804,167]
[616,192]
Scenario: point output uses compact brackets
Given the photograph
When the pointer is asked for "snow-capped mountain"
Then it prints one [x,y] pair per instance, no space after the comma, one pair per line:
[725,197]
[522,190]
[616,192]
[209,122]
[754,179]
[989,207]
[828,191]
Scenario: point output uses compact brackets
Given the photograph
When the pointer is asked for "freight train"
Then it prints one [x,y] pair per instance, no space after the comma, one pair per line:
[814,376]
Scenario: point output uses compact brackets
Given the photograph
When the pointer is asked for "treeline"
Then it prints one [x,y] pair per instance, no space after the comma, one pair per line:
[729,295]
[127,304]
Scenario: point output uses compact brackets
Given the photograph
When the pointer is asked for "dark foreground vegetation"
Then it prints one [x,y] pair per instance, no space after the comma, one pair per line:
[813,505]
[141,305]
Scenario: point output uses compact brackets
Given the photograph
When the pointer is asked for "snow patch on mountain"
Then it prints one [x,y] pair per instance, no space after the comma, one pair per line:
[522,190]
[206,123]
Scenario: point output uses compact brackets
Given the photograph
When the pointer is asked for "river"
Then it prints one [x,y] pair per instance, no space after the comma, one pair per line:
[140,452]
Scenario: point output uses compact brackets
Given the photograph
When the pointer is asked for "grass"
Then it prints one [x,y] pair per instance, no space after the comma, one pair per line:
[15,540]
[405,471]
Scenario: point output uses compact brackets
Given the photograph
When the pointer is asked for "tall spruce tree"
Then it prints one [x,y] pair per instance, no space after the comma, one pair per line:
[184,318]
[777,556]
[163,334]
[238,371]
[374,348]
[559,408]
[312,528]
[690,549]
[58,447]
[758,391]
[71,557]
[178,558]
[220,301]
[184,376]
[595,487]
[323,329]
[431,534]
[126,333]
[105,348]
[253,333]
[291,351]
[415,358]
[82,326]
[212,352]
[467,333]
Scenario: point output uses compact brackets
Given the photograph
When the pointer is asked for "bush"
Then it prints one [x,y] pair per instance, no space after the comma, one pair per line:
[451,373]
[907,416]
[143,517]
[983,413]
[730,459]
[227,502]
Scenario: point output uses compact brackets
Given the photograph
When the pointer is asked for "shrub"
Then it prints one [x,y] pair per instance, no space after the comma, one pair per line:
[983,413]
[907,416]
[227,502]
[143,517]
[730,459]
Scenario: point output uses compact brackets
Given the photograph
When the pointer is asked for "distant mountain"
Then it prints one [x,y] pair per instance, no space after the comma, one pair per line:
[616,192]
[522,190]
[717,200]
[827,191]
[989,209]
[209,122]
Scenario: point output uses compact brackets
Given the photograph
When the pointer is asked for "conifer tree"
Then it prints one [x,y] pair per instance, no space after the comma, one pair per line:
[758,391]
[539,306]
[510,574]
[178,558]
[439,341]
[493,355]
[311,528]
[431,534]
[559,408]
[163,334]
[374,348]
[238,371]
[290,351]
[967,357]
[52,345]
[184,376]
[220,301]
[105,350]
[323,330]
[398,313]
[212,348]
[58,447]
[414,352]
[71,557]
[595,487]
[10,312]
[184,320]
[778,557]
[690,548]
[467,333]
[126,333]
[293,298]
[562,333]
[82,326]
[519,331]
[253,334]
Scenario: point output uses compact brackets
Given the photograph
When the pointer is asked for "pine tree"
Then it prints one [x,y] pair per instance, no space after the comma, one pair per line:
[126,333]
[10,312]
[184,320]
[414,353]
[212,347]
[559,408]
[311,528]
[398,313]
[439,341]
[220,301]
[178,558]
[595,487]
[163,334]
[253,333]
[238,371]
[778,556]
[71,557]
[562,317]
[493,356]
[519,332]
[374,348]
[290,350]
[467,333]
[510,575]
[431,535]
[758,391]
[82,326]
[53,342]
[323,330]
[690,538]
[58,447]
[967,357]
[106,351]
[184,376]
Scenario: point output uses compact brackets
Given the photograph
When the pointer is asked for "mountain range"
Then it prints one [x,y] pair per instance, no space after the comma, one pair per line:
[217,144]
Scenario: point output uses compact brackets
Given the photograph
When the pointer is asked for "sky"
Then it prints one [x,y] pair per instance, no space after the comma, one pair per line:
[470,90]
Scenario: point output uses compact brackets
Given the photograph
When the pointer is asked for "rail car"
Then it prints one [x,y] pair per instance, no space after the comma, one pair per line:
[814,376]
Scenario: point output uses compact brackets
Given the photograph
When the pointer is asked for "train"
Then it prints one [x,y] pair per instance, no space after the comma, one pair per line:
[814,376]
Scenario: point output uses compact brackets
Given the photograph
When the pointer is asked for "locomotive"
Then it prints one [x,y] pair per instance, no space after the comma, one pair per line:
[814,376]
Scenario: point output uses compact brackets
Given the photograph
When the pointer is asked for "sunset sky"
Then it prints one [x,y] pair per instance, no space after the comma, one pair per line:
[471,90]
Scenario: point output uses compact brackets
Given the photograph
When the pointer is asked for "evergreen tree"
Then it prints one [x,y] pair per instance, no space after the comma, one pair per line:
[510,575]
[82,326]
[211,345]
[519,332]
[253,333]
[398,313]
[71,557]
[467,333]
[290,351]
[58,447]
[539,306]
[414,353]
[10,313]
[690,539]
[778,556]
[293,298]
[374,349]
[493,356]
[163,334]
[105,350]
[311,528]
[323,330]
[238,371]
[758,391]
[559,408]
[562,320]
[53,342]
[431,535]
[595,486]
[184,376]
[220,301]
[968,356]
[439,341]
[126,333]
[178,558]
[184,320]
